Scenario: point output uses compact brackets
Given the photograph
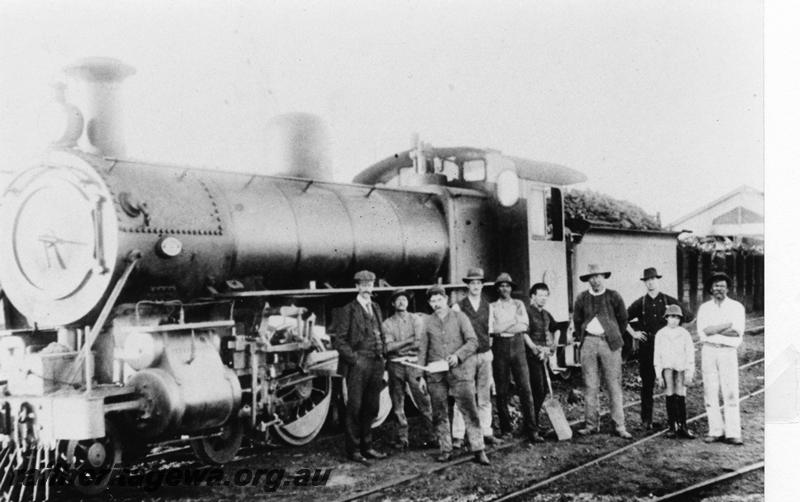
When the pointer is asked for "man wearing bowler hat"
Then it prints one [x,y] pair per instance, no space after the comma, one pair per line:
[478,309]
[403,331]
[362,347]
[509,327]
[600,319]
[720,325]
[647,314]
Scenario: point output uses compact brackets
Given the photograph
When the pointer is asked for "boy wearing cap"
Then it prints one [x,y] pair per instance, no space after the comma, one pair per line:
[600,319]
[403,331]
[673,358]
[361,345]
[647,314]
[720,324]
[509,327]
[478,310]
[448,336]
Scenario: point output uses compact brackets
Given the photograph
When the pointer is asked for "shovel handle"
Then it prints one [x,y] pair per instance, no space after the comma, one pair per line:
[547,375]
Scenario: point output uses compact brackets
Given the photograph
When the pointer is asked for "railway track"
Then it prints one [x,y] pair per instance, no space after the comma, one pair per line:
[462,460]
[254,451]
[698,487]
[528,489]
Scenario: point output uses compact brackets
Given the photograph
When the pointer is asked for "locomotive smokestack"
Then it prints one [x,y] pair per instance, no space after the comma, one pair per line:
[99,82]
[298,145]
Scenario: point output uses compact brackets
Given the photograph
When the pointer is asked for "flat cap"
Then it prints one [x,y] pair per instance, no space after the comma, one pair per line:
[364,275]
[435,290]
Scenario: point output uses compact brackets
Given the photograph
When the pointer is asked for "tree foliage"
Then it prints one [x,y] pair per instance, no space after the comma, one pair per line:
[597,207]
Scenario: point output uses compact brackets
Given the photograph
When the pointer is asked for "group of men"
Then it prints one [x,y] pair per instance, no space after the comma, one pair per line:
[462,351]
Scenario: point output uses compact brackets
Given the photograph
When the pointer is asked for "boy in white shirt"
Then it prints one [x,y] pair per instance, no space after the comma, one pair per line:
[673,359]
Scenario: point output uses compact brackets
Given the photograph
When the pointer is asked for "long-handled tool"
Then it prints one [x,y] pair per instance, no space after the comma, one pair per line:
[434,367]
[554,411]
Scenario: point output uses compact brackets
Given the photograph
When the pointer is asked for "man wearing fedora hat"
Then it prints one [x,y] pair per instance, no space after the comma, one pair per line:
[361,345]
[647,315]
[600,319]
[478,310]
[720,325]
[509,327]
[403,331]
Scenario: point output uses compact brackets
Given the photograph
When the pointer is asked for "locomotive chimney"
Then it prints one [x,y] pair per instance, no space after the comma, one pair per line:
[98,89]
[298,145]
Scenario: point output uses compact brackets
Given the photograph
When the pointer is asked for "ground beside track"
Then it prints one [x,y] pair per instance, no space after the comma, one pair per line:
[665,466]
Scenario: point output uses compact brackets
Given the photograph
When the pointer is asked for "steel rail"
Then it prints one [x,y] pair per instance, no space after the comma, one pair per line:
[441,467]
[679,495]
[614,453]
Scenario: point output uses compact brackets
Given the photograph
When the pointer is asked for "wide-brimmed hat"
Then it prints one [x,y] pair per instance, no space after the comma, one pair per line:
[673,310]
[504,277]
[474,274]
[398,292]
[594,269]
[649,273]
[719,276]
[364,275]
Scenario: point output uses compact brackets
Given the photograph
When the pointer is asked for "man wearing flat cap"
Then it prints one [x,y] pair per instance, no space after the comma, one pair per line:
[720,325]
[403,331]
[509,327]
[448,336]
[600,319]
[477,308]
[647,315]
[362,347]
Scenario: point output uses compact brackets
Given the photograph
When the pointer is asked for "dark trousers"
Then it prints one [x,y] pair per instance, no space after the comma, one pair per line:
[648,374]
[399,377]
[536,368]
[509,358]
[463,392]
[364,383]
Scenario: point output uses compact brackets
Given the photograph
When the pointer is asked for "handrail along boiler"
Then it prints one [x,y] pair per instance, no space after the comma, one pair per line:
[148,303]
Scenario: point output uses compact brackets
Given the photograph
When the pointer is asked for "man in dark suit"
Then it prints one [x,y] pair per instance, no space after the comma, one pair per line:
[362,348]
[647,315]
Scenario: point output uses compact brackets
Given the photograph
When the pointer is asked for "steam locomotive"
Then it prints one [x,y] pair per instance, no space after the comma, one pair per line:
[149,303]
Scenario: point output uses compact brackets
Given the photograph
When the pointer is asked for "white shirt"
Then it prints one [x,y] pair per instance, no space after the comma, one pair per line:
[367,304]
[729,311]
[674,350]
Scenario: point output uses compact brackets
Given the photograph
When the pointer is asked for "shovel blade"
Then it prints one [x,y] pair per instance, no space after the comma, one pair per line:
[557,419]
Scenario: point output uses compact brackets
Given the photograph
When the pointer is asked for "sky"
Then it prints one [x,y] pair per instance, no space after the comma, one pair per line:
[659,103]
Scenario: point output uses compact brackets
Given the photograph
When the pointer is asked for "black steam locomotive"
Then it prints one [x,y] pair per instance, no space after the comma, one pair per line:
[150,303]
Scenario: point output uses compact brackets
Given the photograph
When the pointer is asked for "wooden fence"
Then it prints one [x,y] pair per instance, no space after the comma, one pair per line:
[745,268]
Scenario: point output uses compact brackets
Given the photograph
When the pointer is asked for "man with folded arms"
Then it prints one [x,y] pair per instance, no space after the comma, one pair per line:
[720,325]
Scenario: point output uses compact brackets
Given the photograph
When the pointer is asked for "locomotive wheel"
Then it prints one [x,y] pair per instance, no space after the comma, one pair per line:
[385,403]
[92,461]
[306,419]
[221,449]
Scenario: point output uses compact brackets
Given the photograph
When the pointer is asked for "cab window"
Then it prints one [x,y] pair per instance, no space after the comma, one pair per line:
[475,170]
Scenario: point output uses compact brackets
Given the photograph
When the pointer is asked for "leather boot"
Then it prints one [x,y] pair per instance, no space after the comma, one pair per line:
[683,430]
[481,458]
[671,416]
